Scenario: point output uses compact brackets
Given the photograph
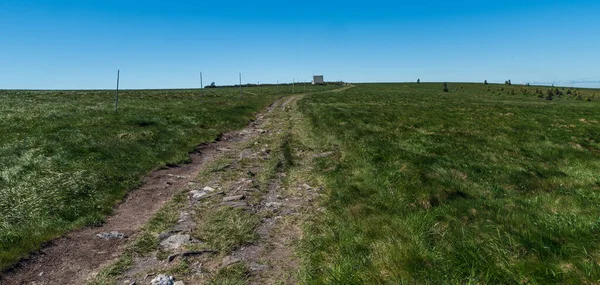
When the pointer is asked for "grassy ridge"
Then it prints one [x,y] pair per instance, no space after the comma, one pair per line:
[480,185]
[66,157]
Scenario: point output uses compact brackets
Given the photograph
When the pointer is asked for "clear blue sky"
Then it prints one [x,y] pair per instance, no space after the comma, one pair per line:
[58,44]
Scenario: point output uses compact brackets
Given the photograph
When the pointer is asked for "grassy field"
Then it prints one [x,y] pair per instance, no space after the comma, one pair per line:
[66,157]
[485,184]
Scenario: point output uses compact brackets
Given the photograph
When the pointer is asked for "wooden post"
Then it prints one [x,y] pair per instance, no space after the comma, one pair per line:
[117,95]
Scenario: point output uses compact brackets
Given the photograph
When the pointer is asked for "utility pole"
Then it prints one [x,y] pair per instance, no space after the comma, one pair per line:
[240,84]
[117,95]
[201,85]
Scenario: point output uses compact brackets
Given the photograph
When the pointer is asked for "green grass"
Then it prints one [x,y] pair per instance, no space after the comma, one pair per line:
[236,274]
[480,185]
[66,157]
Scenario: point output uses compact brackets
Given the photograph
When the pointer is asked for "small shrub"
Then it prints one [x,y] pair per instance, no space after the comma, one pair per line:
[485,82]
[524,91]
[557,92]
[549,94]
[445,87]
[419,81]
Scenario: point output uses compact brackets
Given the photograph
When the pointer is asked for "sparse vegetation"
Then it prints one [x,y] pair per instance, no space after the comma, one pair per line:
[236,274]
[227,228]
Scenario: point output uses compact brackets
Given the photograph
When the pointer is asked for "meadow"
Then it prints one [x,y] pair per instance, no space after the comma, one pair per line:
[66,157]
[484,184]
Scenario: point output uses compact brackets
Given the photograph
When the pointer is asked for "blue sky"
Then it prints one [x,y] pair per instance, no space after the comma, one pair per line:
[166,44]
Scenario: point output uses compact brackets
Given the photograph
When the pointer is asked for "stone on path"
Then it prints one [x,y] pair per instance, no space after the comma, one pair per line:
[112,235]
[175,241]
[229,260]
[162,280]
[233,198]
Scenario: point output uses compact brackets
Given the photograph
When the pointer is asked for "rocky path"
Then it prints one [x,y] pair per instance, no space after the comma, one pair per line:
[253,178]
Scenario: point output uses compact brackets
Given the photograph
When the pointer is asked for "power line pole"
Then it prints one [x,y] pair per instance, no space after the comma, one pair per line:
[240,84]
[117,95]
[201,85]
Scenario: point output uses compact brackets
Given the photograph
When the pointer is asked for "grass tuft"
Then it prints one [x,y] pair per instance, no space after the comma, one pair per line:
[227,228]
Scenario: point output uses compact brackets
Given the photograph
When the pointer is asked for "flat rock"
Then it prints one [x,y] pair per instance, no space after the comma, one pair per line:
[229,260]
[162,280]
[175,241]
[238,204]
[209,189]
[273,204]
[233,198]
[197,194]
[112,235]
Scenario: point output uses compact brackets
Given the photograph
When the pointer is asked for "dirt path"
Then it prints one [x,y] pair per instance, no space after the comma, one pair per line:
[248,170]
[70,259]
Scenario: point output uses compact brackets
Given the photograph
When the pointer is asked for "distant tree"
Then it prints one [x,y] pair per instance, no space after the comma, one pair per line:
[528,84]
[212,85]
[509,83]
[445,87]
[485,82]
[419,81]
